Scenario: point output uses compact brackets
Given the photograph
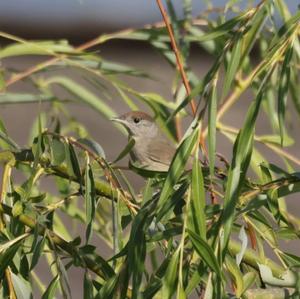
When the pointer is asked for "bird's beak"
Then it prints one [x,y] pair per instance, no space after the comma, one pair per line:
[118,120]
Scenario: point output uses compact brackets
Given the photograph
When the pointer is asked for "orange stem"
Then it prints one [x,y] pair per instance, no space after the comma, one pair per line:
[177,54]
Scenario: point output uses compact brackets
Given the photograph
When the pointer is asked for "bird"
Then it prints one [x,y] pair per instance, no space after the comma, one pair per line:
[152,150]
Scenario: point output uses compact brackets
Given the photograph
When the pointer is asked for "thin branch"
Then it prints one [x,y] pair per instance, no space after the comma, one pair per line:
[177,54]
[108,174]
[98,40]
[12,294]
[57,240]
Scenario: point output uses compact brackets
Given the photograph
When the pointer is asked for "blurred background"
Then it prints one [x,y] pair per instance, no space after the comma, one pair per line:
[81,20]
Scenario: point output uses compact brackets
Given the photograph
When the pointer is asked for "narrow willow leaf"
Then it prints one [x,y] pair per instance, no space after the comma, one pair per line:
[37,149]
[221,30]
[136,246]
[87,286]
[288,278]
[37,252]
[291,259]
[74,163]
[50,292]
[93,145]
[209,290]
[275,139]
[180,292]
[255,25]
[90,200]
[108,289]
[2,80]
[19,98]
[205,252]
[212,119]
[7,256]
[111,68]
[264,229]
[6,245]
[35,48]
[126,99]
[197,217]
[63,279]
[177,166]
[57,149]
[240,162]
[169,281]
[235,272]
[272,196]
[233,65]
[244,240]
[284,82]
[4,137]
[126,150]
[83,95]
[201,86]
[249,279]
[21,287]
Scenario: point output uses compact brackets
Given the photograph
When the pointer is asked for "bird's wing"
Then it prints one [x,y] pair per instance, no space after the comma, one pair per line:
[161,152]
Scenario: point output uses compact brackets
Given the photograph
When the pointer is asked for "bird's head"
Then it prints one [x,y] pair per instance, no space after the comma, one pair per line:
[138,124]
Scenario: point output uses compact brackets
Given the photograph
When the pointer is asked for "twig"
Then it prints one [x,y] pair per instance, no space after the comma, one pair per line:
[57,240]
[12,294]
[181,70]
[15,78]
[177,54]
[109,177]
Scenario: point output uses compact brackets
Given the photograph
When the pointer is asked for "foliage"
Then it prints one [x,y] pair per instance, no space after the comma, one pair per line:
[180,236]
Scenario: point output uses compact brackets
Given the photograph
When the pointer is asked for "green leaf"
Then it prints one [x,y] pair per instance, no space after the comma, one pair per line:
[136,246]
[197,217]
[212,119]
[34,48]
[87,286]
[37,252]
[205,252]
[178,165]
[275,139]
[2,80]
[50,292]
[58,154]
[111,68]
[63,279]
[288,278]
[169,281]
[284,82]
[241,158]
[244,240]
[249,279]
[93,145]
[12,145]
[90,199]
[126,150]
[21,287]
[235,272]
[234,64]
[6,245]
[221,30]
[72,161]
[83,94]
[24,98]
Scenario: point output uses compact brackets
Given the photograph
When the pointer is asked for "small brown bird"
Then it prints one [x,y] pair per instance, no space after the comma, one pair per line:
[152,150]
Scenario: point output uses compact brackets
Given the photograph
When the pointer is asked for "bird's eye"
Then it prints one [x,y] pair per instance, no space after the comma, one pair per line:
[136,120]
